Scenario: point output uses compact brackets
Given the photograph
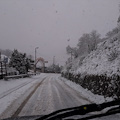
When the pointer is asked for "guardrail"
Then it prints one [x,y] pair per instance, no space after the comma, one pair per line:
[18,76]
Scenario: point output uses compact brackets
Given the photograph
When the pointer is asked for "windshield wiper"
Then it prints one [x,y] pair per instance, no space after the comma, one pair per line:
[82,110]
[111,112]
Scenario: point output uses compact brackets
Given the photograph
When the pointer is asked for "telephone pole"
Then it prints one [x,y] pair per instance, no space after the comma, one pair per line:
[35,59]
[54,63]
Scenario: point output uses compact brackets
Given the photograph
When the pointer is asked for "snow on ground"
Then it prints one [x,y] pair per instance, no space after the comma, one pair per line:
[92,98]
[86,93]
[7,100]
[41,75]
[5,86]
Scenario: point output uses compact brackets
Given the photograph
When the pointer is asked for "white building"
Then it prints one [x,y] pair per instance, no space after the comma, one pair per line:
[4,58]
[4,67]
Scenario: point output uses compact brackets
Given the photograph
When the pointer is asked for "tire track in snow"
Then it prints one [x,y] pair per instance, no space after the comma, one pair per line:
[2,95]
[19,103]
[26,100]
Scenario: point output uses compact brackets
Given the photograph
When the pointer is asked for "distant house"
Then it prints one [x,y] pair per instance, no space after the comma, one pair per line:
[4,67]
[4,58]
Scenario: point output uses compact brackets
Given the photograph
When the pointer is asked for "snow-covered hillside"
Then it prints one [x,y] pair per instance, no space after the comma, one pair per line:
[104,60]
[98,71]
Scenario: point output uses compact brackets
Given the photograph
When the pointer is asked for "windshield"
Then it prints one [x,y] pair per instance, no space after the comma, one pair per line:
[58,54]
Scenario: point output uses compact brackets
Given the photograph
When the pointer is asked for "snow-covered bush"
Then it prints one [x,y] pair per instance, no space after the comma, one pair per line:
[98,84]
[113,55]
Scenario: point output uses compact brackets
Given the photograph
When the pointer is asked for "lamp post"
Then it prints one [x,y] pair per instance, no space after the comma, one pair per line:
[35,59]
[54,63]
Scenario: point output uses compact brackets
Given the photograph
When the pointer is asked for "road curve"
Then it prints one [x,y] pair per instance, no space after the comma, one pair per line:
[52,94]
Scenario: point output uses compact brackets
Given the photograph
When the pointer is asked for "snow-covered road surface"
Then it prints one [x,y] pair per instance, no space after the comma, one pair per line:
[41,96]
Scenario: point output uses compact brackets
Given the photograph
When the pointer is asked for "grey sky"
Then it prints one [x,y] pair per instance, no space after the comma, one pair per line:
[48,24]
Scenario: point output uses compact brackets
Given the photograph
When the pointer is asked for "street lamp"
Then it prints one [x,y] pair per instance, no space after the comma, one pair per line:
[35,58]
[54,63]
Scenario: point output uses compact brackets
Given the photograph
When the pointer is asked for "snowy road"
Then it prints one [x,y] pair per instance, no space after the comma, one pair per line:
[42,96]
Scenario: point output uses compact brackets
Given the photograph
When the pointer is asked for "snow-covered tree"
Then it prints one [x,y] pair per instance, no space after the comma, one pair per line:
[83,44]
[72,50]
[113,32]
[20,62]
[88,42]
[95,38]
[68,49]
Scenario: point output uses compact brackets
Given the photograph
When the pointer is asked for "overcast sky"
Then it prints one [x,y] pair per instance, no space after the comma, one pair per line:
[48,24]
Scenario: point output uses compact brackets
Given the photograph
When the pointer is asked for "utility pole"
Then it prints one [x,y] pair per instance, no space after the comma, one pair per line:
[35,59]
[54,63]
[5,69]
[5,63]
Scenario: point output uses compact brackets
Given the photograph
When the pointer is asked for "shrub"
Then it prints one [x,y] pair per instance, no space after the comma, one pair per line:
[113,55]
[98,84]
